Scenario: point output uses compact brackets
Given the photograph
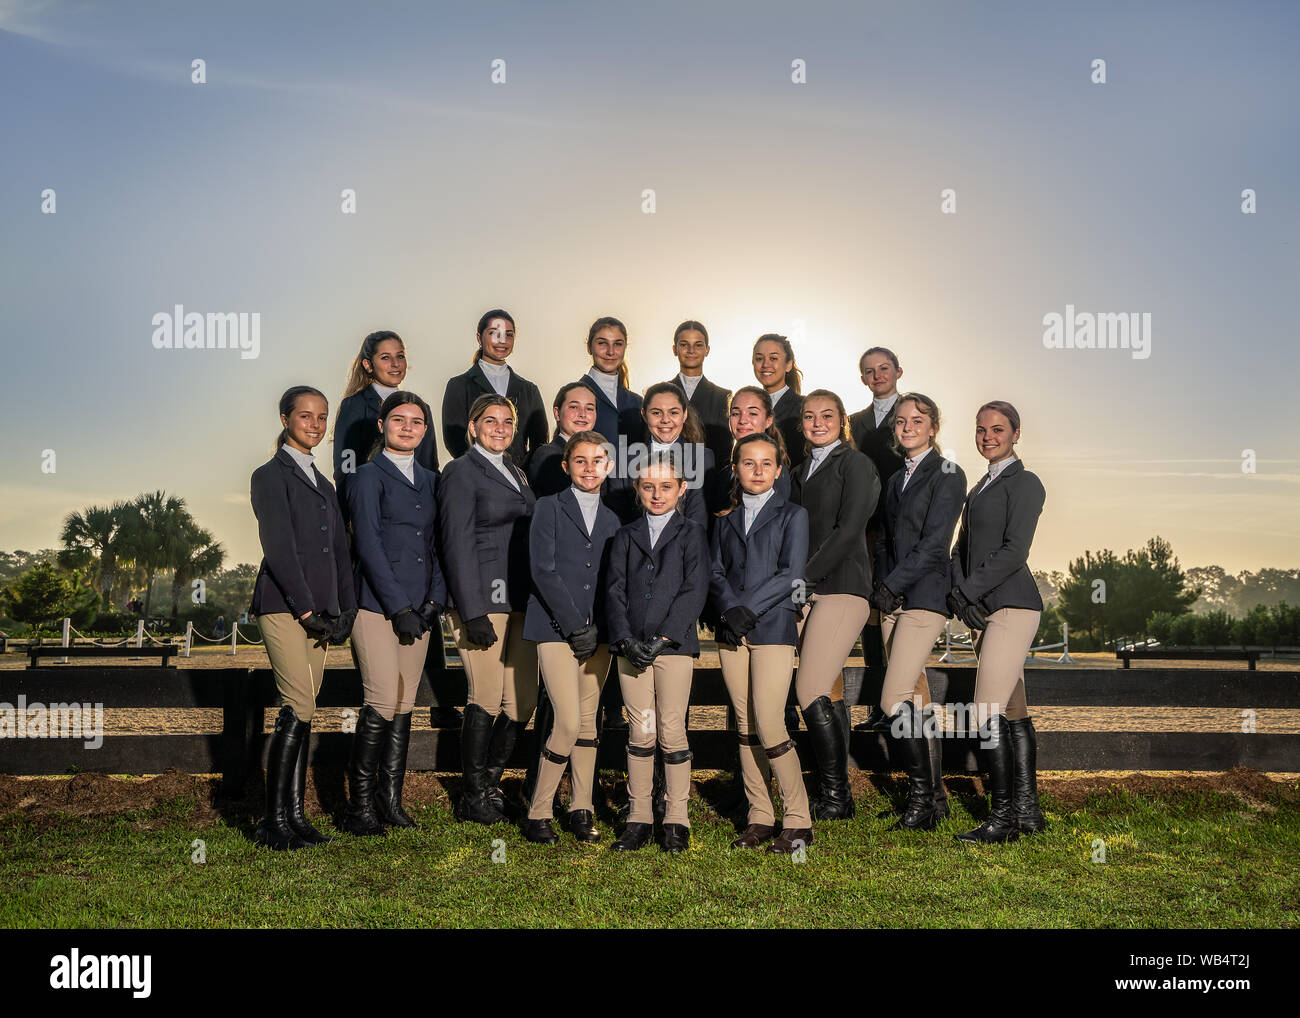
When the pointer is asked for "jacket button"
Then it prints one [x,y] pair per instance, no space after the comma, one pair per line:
[586,586]
[419,560]
[650,565]
[419,533]
[326,550]
[647,597]
[324,528]
[324,506]
[418,506]
[588,544]
[741,587]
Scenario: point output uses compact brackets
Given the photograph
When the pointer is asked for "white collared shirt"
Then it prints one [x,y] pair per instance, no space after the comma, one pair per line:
[754,505]
[882,407]
[588,503]
[497,459]
[910,465]
[776,396]
[304,461]
[498,375]
[996,468]
[819,453]
[404,461]
[608,383]
[689,383]
[657,524]
[384,391]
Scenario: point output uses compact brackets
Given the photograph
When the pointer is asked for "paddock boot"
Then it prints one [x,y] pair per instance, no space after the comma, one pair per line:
[475,806]
[274,830]
[392,773]
[918,814]
[834,800]
[1024,791]
[997,756]
[297,816]
[360,817]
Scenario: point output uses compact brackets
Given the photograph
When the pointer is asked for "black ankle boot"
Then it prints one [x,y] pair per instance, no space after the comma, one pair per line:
[834,800]
[997,756]
[540,832]
[475,806]
[392,773]
[914,754]
[361,818]
[934,745]
[583,825]
[274,830]
[502,743]
[1024,791]
[636,836]
[297,815]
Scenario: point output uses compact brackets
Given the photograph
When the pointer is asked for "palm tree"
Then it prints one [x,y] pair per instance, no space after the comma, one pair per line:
[155,525]
[94,538]
[199,555]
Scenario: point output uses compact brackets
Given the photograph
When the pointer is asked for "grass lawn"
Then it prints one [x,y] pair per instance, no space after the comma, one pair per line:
[1190,858]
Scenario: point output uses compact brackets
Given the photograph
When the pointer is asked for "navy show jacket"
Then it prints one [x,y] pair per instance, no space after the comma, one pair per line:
[568,567]
[912,549]
[661,590]
[395,537]
[305,563]
[762,570]
[840,497]
[463,390]
[483,525]
[357,429]
[990,561]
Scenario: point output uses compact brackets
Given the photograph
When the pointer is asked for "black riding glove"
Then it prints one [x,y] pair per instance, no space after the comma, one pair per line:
[343,627]
[429,612]
[885,599]
[740,620]
[584,641]
[319,627]
[479,631]
[408,625]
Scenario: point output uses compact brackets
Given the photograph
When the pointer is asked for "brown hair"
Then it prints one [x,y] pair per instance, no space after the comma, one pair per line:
[878,349]
[289,401]
[611,323]
[563,394]
[483,323]
[402,397]
[1004,408]
[692,431]
[846,435]
[358,376]
[793,377]
[591,437]
[928,407]
[485,403]
[691,326]
[757,436]
[771,431]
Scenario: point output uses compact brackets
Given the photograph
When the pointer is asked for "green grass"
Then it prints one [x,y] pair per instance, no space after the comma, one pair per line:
[1180,860]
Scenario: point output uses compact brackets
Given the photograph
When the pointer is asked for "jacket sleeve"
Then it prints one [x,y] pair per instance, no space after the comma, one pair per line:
[455,419]
[275,530]
[365,503]
[457,508]
[535,427]
[553,591]
[1025,504]
[694,591]
[349,413]
[620,628]
[426,453]
[861,493]
[721,594]
[931,551]
[958,550]
[777,590]
[343,559]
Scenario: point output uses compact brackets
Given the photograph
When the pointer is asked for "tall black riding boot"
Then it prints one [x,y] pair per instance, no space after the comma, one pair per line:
[834,801]
[360,818]
[297,816]
[392,773]
[274,829]
[475,805]
[914,754]
[934,744]
[504,734]
[543,723]
[1024,745]
[997,756]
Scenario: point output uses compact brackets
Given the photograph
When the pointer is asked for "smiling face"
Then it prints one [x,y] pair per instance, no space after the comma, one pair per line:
[880,376]
[822,423]
[388,365]
[691,348]
[577,412]
[913,429]
[665,417]
[659,489]
[587,465]
[404,428]
[994,437]
[748,415]
[757,467]
[608,347]
[307,422]
[771,365]
[495,429]
[497,341]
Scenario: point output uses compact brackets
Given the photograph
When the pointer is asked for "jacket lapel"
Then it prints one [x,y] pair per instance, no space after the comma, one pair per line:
[283,456]
[569,503]
[494,474]
[770,511]
[391,468]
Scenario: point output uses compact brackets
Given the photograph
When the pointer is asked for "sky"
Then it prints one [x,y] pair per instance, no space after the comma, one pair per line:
[812,209]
